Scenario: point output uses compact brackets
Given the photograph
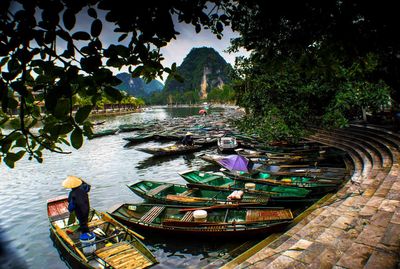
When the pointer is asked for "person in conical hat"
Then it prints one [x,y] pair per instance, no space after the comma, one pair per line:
[78,200]
[188,140]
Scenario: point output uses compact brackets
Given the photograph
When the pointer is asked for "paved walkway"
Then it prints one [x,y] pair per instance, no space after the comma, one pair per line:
[358,227]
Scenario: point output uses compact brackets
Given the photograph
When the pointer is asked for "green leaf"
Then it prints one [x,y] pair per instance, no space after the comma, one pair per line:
[198,28]
[122,37]
[21,143]
[62,108]
[15,123]
[113,93]
[137,72]
[69,19]
[95,30]
[12,103]
[178,78]
[19,155]
[5,147]
[76,138]
[82,114]
[9,162]
[81,36]
[92,13]
[65,128]
[4,61]
[219,27]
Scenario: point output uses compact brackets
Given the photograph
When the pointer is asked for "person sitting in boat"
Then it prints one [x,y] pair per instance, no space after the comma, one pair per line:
[188,140]
[78,200]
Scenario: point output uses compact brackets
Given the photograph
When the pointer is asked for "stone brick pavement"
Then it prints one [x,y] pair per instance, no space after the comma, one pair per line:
[359,226]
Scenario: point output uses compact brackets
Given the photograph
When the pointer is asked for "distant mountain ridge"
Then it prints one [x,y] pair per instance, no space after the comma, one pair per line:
[137,87]
[204,69]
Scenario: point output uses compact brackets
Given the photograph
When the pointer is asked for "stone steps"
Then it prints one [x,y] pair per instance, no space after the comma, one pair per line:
[359,226]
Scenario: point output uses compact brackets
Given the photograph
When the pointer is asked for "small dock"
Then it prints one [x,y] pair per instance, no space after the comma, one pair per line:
[359,226]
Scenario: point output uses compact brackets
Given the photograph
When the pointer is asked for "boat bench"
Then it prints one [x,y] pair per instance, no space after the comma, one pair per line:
[123,256]
[61,216]
[186,193]
[152,214]
[158,189]
[188,216]
[95,223]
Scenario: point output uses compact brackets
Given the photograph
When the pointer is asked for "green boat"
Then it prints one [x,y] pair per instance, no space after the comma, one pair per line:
[170,150]
[140,138]
[221,182]
[113,246]
[221,220]
[104,133]
[317,185]
[168,193]
[130,127]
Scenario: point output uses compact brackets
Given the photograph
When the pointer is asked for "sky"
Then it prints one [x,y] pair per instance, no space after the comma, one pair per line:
[178,48]
[174,52]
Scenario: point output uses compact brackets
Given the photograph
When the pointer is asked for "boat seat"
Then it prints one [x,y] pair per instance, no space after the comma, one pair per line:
[123,256]
[95,223]
[152,214]
[262,200]
[185,193]
[61,216]
[188,216]
[158,189]
[264,215]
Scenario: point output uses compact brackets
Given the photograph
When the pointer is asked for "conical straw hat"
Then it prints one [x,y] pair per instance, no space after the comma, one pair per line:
[71,182]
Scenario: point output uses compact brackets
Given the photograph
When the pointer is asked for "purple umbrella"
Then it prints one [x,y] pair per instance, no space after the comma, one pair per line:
[235,162]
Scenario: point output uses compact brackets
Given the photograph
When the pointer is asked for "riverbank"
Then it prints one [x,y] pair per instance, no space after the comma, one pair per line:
[359,226]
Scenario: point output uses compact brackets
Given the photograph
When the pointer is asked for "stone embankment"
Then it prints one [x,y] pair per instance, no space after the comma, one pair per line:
[359,226]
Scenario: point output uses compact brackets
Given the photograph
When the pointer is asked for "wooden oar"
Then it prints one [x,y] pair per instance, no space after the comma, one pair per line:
[108,218]
[67,239]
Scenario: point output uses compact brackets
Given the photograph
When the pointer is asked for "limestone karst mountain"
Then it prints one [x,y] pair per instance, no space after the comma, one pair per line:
[202,69]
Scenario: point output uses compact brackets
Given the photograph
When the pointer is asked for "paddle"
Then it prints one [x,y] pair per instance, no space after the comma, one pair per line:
[108,218]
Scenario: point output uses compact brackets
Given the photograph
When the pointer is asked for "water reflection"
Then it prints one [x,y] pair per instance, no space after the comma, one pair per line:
[108,167]
[155,161]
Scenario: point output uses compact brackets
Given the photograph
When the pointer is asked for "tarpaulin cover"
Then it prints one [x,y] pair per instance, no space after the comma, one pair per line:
[235,163]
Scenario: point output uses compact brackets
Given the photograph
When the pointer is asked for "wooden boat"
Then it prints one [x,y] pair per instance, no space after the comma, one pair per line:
[227,144]
[222,183]
[170,150]
[226,220]
[115,245]
[140,138]
[168,136]
[304,171]
[168,193]
[250,153]
[130,127]
[205,142]
[104,133]
[317,185]
[211,158]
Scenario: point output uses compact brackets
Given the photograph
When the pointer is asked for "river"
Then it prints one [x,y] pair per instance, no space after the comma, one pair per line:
[108,167]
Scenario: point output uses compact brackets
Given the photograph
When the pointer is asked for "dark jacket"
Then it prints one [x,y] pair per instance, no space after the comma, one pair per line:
[78,200]
[188,140]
